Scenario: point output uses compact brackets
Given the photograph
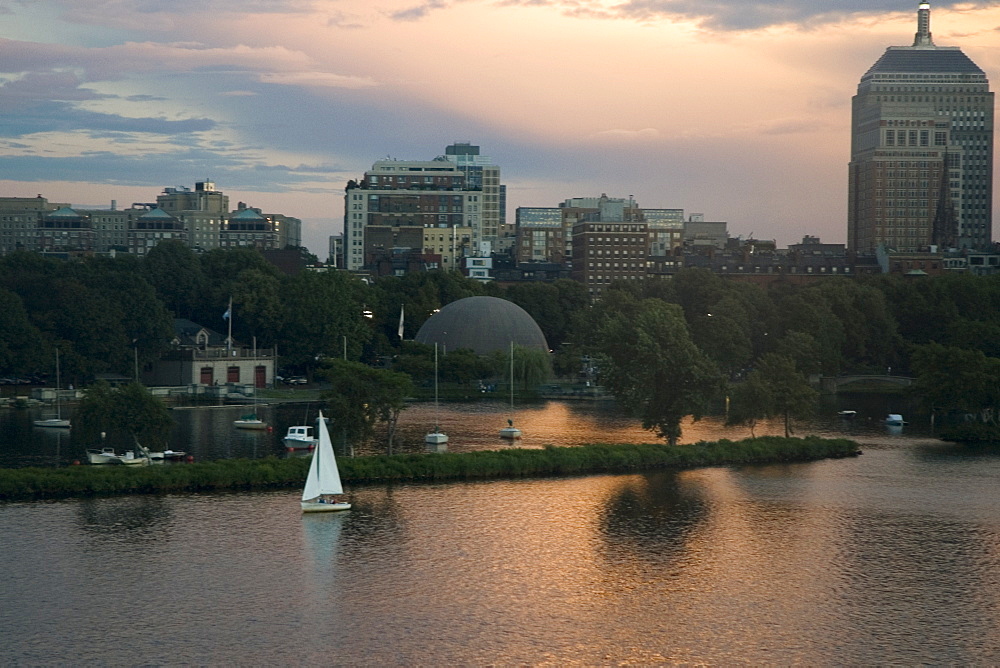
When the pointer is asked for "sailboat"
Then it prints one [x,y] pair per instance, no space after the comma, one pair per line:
[436,437]
[510,431]
[57,421]
[323,480]
[251,420]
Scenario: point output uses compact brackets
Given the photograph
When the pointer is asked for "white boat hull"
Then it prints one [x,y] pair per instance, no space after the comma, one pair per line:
[315,507]
[436,438]
[108,456]
[512,433]
[299,444]
[53,423]
[249,424]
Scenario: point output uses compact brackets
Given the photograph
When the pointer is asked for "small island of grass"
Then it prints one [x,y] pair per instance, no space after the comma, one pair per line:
[273,473]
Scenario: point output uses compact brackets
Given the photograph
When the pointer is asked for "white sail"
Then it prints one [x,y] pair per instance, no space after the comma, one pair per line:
[324,477]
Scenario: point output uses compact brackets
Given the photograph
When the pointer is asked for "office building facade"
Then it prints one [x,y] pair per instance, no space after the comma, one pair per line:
[921,169]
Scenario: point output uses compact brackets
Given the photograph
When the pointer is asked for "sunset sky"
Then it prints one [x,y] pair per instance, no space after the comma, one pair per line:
[736,109]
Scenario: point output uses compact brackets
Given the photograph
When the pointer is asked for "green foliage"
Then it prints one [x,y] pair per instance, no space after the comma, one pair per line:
[321,311]
[361,397]
[126,415]
[774,389]
[241,474]
[653,368]
[173,269]
[956,379]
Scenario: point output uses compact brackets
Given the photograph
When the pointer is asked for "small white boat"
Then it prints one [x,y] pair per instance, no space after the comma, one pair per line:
[299,437]
[57,422]
[323,481]
[511,432]
[847,414]
[436,437]
[108,456]
[250,421]
[895,420]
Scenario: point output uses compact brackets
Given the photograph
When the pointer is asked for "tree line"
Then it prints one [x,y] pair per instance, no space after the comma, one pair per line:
[104,313]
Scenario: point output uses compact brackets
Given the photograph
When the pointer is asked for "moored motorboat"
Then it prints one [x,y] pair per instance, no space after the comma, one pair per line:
[895,420]
[847,414]
[299,437]
[108,456]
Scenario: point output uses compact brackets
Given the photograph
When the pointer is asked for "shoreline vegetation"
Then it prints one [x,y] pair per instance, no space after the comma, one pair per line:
[273,473]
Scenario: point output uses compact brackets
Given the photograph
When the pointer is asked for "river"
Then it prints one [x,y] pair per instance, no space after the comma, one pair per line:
[207,432]
[890,557]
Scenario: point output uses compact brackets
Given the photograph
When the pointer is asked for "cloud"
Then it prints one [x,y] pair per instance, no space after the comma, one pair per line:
[418,12]
[321,79]
[734,15]
[630,135]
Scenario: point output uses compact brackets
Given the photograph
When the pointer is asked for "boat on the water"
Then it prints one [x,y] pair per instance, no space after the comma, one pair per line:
[847,414]
[57,422]
[299,437]
[436,437]
[511,432]
[323,484]
[250,421]
[109,456]
[895,420]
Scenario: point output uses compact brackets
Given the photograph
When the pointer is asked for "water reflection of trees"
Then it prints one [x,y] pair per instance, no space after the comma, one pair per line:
[654,516]
[132,519]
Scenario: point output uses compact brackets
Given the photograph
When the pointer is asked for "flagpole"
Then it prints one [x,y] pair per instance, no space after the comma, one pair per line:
[229,312]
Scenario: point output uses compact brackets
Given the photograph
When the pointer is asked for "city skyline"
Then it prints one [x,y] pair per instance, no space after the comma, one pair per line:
[740,112]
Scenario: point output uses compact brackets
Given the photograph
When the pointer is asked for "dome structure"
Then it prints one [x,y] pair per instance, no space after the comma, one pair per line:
[482,324]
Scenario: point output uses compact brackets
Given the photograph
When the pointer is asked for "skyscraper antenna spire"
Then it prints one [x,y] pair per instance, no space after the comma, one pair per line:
[923,37]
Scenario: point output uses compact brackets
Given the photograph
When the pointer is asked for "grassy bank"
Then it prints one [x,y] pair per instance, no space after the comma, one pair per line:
[244,474]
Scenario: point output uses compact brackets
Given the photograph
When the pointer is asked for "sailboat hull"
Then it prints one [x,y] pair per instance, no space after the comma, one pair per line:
[436,438]
[249,424]
[54,423]
[313,507]
[512,433]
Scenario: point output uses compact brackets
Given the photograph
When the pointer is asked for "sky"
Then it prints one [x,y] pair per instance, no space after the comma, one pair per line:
[737,109]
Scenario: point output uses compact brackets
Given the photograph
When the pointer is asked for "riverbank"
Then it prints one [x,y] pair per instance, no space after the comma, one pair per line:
[272,473]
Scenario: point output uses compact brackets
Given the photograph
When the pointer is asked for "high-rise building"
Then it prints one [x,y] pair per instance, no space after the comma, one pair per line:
[921,168]
[481,174]
[400,194]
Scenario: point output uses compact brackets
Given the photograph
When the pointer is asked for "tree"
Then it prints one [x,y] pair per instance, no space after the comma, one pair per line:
[361,397]
[532,367]
[653,368]
[125,416]
[950,378]
[775,388]
[175,272]
[20,353]
[321,311]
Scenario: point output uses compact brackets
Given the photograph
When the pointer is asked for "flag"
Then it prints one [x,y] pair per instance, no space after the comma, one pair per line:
[401,321]
[229,311]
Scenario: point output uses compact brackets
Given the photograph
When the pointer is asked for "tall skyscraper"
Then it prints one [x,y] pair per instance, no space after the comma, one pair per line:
[921,170]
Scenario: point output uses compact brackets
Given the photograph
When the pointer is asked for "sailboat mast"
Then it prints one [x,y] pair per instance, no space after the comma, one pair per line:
[58,385]
[512,377]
